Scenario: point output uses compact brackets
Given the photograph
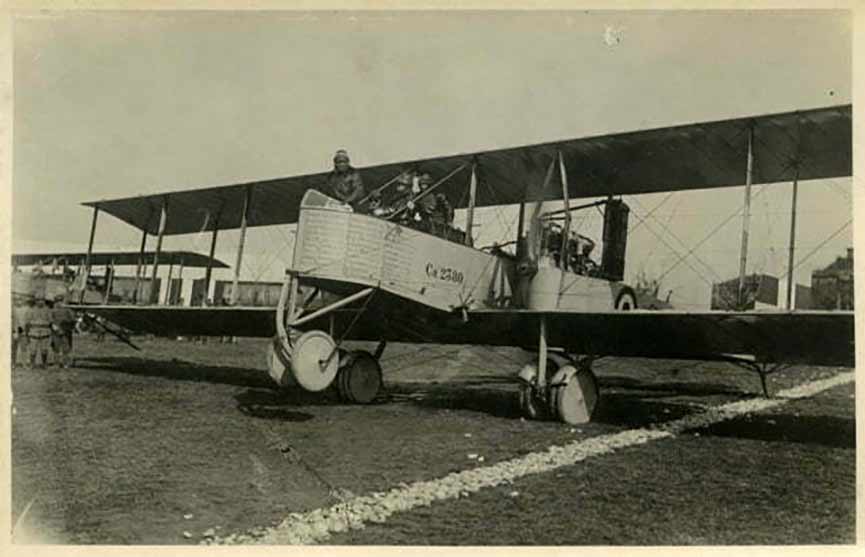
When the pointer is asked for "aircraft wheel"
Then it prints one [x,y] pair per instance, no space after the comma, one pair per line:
[346,359]
[309,353]
[533,407]
[530,406]
[556,382]
[360,380]
[626,300]
[278,368]
[575,394]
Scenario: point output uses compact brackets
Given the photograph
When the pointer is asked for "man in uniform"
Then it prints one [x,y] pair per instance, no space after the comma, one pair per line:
[63,320]
[19,338]
[39,332]
[345,182]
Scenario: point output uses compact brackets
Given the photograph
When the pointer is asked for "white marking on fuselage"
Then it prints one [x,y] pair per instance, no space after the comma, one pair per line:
[318,525]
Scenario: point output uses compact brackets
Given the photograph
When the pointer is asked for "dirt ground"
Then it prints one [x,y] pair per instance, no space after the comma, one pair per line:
[165,445]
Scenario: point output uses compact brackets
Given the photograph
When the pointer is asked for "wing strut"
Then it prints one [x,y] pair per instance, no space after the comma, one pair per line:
[243,222]
[329,308]
[109,283]
[89,253]
[566,232]
[542,354]
[566,229]
[209,270]
[153,292]
[793,216]
[138,265]
[470,210]
[746,217]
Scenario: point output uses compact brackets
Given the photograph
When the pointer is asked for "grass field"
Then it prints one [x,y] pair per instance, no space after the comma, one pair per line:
[183,440]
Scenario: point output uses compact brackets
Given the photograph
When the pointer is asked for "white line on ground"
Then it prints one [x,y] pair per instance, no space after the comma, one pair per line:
[318,525]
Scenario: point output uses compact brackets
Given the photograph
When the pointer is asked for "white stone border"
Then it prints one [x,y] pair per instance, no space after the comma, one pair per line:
[318,525]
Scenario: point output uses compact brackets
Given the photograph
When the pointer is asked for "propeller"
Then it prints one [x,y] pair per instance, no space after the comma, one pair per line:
[529,263]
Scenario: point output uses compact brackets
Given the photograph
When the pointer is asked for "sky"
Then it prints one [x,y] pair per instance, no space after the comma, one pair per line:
[116,104]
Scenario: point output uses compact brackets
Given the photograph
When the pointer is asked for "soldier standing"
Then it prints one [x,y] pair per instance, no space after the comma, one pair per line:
[63,326]
[19,339]
[39,332]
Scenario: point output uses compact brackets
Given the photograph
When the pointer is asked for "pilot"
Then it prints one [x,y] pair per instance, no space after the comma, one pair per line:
[344,182]
[39,332]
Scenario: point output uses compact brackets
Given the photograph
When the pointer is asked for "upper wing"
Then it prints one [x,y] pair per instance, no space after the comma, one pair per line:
[813,337]
[815,143]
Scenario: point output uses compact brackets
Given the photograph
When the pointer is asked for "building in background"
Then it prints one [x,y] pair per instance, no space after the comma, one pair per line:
[761,291]
[833,285]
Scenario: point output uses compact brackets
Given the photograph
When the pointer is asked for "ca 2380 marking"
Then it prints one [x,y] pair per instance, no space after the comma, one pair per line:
[446,274]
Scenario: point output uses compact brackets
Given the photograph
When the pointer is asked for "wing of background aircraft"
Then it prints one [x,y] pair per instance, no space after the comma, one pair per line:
[119,258]
[808,144]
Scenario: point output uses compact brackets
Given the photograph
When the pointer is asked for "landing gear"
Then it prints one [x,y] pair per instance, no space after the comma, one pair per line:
[566,389]
[313,360]
[359,377]
[532,399]
[570,395]
[310,362]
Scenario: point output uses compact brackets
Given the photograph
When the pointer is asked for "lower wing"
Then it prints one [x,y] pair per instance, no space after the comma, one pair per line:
[801,337]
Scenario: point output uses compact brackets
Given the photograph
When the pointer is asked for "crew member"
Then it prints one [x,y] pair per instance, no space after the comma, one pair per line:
[345,182]
[400,202]
[39,332]
[63,320]
[442,216]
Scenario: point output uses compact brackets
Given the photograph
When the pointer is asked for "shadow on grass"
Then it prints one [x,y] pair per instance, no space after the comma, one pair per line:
[669,388]
[614,408]
[630,404]
[271,413]
[826,431]
[473,396]
[179,370]
[628,410]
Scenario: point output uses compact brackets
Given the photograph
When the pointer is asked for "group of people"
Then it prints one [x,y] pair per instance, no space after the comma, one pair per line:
[42,327]
[404,202]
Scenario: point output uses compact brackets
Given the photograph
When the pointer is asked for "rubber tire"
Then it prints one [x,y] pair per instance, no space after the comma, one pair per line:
[306,351]
[345,361]
[626,300]
[279,371]
[577,400]
[362,379]
[529,408]
[553,398]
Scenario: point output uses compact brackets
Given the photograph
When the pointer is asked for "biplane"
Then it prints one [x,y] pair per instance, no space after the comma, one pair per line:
[65,274]
[62,276]
[360,276]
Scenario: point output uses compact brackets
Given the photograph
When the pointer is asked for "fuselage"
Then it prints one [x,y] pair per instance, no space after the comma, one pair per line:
[339,249]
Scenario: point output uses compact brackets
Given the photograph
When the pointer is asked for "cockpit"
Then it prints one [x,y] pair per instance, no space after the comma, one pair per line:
[577,250]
